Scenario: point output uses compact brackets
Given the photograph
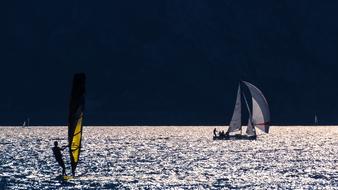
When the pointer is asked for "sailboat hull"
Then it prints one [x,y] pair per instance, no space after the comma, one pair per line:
[235,137]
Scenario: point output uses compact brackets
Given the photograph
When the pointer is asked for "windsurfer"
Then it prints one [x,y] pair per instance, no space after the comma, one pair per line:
[58,156]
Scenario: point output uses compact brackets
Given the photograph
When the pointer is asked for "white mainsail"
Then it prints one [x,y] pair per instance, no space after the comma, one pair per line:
[260,108]
[236,120]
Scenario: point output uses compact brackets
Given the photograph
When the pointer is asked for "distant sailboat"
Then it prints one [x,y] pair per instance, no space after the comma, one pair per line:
[259,116]
[25,123]
[316,119]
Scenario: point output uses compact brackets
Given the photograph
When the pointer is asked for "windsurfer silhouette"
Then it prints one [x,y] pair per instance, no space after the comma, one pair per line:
[58,156]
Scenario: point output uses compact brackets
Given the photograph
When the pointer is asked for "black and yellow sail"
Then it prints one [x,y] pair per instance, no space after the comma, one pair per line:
[75,118]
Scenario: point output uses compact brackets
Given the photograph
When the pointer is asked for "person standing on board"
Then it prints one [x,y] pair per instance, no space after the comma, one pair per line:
[58,156]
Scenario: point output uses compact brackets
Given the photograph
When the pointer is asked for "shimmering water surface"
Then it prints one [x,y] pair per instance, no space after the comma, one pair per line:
[172,158]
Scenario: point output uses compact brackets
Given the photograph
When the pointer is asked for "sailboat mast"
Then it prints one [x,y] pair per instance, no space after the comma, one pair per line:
[247,106]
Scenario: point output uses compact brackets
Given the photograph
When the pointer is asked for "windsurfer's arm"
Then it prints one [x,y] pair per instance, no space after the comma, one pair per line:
[64,147]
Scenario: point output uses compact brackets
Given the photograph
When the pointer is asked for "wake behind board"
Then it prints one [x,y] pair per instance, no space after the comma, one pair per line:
[79,176]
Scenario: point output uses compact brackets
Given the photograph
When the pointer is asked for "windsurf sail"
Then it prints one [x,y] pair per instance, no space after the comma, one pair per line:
[75,119]
[236,120]
[260,108]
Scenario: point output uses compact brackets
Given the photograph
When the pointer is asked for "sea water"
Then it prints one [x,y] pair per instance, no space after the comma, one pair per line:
[171,158]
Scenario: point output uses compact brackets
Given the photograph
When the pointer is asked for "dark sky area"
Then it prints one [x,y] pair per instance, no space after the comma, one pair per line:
[168,62]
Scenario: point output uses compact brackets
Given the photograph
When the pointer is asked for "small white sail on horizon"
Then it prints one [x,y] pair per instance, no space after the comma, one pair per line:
[25,123]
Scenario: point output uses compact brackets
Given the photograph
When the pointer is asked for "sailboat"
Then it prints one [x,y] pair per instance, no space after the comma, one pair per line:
[316,119]
[75,119]
[25,123]
[259,116]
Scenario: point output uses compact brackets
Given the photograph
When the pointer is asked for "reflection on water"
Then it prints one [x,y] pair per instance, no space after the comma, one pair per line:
[169,157]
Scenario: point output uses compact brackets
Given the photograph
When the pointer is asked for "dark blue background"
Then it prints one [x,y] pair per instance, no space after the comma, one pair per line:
[168,62]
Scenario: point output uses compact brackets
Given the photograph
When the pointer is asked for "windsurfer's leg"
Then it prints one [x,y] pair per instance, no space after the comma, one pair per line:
[64,171]
[62,164]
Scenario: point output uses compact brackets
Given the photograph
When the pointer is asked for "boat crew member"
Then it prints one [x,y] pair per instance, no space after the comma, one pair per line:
[58,156]
[221,134]
[227,134]
[215,132]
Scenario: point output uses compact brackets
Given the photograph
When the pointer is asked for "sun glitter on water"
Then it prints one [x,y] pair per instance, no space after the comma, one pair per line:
[169,157]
